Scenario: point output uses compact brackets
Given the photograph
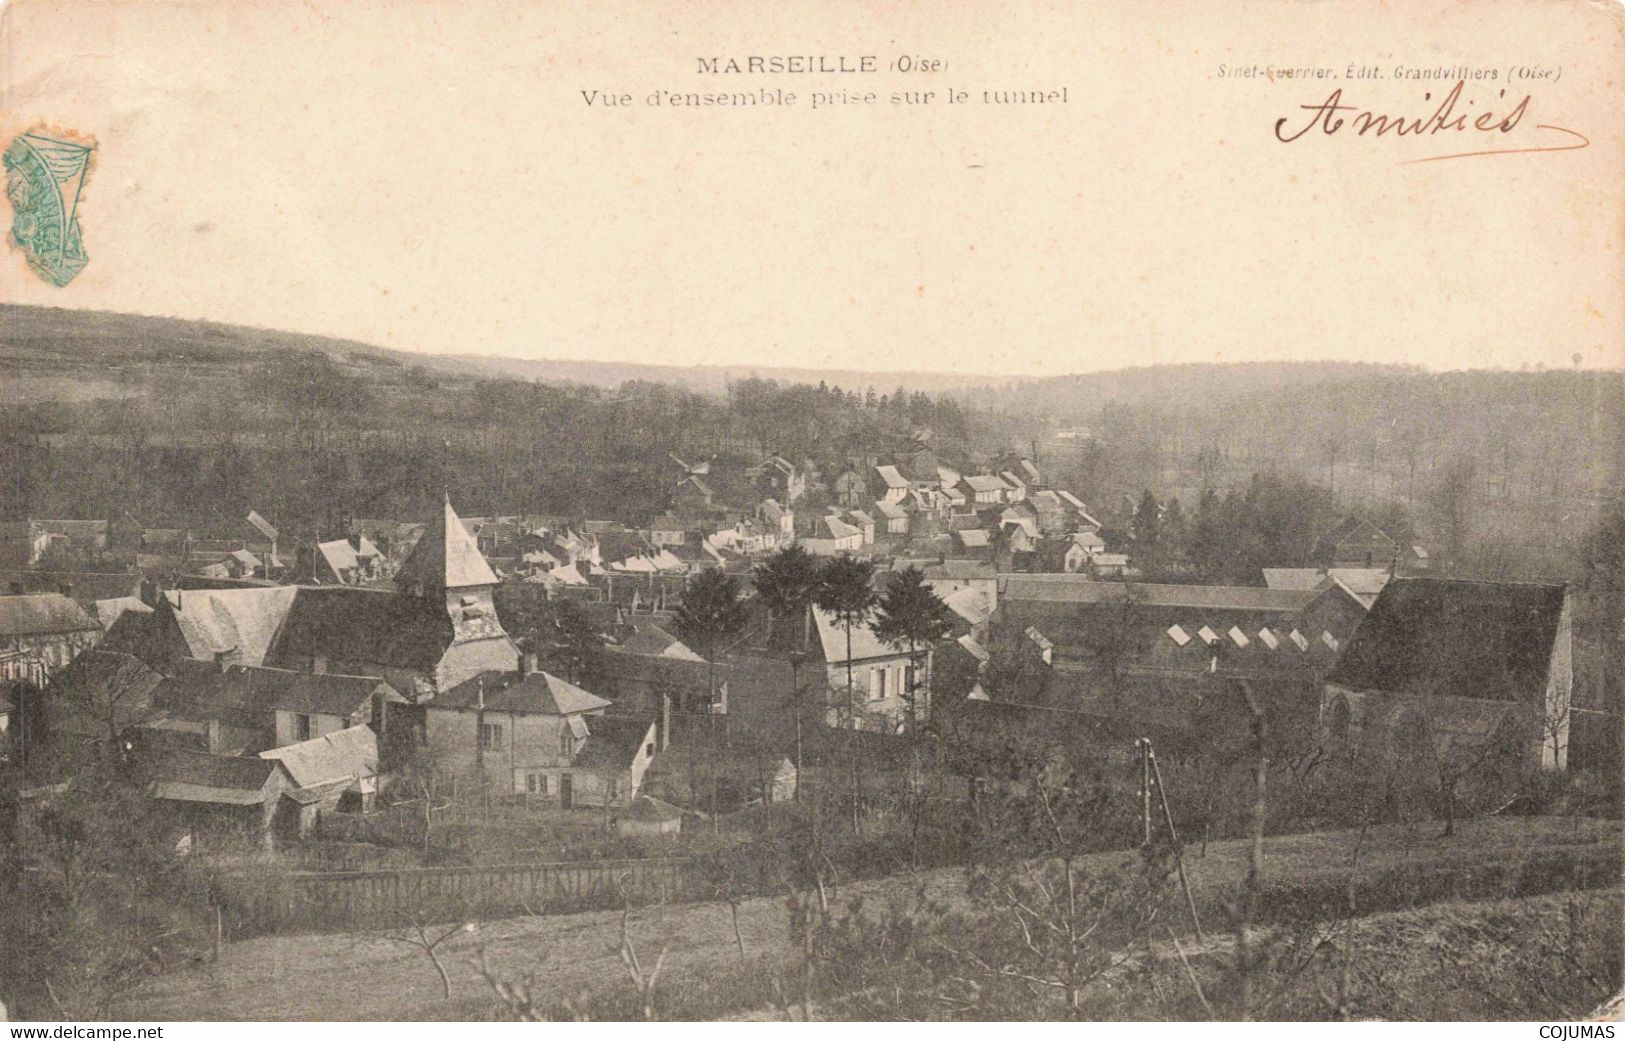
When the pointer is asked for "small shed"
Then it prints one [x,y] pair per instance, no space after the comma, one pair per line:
[649,816]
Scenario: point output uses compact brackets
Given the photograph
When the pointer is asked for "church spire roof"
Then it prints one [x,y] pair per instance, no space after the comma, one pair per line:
[446,557]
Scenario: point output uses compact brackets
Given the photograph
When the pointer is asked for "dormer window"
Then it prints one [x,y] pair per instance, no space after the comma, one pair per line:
[567,743]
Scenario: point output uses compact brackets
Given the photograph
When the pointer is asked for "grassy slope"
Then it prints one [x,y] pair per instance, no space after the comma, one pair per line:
[367,976]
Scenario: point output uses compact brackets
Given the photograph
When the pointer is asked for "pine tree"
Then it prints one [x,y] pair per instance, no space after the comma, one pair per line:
[911,615]
[709,614]
[787,581]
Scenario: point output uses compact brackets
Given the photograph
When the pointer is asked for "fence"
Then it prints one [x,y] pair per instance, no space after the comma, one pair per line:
[267,902]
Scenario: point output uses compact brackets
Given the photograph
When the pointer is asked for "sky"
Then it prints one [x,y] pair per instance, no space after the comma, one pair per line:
[427,176]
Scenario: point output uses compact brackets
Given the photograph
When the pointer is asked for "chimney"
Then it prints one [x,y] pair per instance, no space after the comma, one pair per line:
[481,687]
[528,663]
[355,541]
[665,720]
[149,592]
[66,589]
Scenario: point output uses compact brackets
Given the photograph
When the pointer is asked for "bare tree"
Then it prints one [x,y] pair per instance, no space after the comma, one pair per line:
[429,945]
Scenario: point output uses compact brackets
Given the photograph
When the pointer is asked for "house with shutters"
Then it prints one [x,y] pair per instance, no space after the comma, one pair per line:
[889,687]
[538,735]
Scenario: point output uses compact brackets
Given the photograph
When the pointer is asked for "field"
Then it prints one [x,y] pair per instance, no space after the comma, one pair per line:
[370,976]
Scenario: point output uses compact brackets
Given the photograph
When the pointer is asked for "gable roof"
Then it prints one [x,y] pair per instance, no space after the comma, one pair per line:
[188,776]
[986,483]
[343,755]
[540,693]
[891,477]
[865,644]
[1362,583]
[42,614]
[348,623]
[1455,638]
[445,556]
[970,604]
[214,621]
[613,742]
[653,641]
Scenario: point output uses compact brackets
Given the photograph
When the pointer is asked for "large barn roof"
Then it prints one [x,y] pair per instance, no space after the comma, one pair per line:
[1455,638]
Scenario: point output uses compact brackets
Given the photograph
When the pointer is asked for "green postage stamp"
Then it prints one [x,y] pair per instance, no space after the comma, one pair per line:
[45,173]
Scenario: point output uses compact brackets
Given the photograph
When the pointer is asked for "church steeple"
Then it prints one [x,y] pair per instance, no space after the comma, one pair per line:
[445,560]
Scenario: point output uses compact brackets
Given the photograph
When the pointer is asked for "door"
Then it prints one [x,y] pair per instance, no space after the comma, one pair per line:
[566,791]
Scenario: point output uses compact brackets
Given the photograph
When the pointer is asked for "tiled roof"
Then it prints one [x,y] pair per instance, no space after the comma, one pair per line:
[340,756]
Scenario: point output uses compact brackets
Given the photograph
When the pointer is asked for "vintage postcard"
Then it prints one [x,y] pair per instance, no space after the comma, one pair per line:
[840,511]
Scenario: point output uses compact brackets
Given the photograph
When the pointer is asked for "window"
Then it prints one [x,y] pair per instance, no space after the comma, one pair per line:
[303,726]
[535,783]
[877,684]
[490,736]
[649,750]
[567,742]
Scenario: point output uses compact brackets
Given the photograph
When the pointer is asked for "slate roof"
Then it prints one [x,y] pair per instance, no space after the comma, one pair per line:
[541,693]
[445,556]
[970,604]
[260,689]
[962,570]
[1076,589]
[653,641]
[371,625]
[613,741]
[189,776]
[217,620]
[42,614]
[1455,638]
[85,585]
